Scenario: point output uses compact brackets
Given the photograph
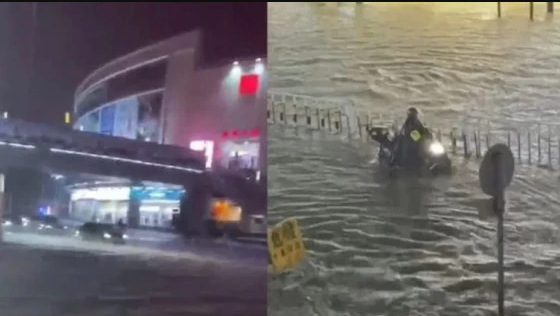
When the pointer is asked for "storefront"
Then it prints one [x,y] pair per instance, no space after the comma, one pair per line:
[240,150]
[157,204]
[101,204]
[111,204]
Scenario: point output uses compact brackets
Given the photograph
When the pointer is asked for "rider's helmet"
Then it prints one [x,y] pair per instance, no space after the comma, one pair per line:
[412,119]
[412,112]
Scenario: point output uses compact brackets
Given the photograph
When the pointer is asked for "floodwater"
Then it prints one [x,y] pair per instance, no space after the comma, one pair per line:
[412,247]
[44,275]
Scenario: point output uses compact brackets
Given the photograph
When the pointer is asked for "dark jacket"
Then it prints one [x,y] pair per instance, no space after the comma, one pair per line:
[408,151]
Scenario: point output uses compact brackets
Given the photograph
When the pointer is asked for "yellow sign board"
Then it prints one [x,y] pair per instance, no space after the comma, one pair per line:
[285,245]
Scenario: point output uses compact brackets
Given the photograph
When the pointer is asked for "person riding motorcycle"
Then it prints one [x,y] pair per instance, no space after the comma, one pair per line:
[407,142]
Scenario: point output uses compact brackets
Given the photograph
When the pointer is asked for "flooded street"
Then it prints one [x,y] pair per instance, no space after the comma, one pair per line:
[400,247]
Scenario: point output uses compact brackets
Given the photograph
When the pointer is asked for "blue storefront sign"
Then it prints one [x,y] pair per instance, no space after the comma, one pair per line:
[151,193]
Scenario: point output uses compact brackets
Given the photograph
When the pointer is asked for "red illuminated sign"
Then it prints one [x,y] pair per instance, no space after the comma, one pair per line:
[246,133]
[249,84]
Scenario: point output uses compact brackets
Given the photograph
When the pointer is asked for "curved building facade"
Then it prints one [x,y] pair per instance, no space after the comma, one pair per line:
[167,93]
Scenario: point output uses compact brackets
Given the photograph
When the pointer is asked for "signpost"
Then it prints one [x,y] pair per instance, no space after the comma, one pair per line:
[495,175]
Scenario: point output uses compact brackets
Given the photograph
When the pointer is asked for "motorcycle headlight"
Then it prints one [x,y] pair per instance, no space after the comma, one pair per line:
[436,148]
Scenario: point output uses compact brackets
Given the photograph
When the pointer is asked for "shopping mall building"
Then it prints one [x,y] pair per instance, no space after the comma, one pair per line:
[168,93]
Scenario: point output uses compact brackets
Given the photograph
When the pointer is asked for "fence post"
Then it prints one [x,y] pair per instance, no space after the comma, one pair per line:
[350,136]
[549,136]
[529,144]
[465,145]
[476,145]
[519,146]
[539,155]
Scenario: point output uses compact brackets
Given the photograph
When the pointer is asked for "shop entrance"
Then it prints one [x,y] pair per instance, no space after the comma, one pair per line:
[240,154]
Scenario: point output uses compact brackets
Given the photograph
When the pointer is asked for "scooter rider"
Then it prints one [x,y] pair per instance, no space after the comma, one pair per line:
[407,142]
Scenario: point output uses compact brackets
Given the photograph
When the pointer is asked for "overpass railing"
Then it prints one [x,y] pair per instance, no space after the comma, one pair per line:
[532,142]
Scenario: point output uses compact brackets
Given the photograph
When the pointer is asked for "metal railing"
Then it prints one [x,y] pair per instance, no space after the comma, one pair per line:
[532,142]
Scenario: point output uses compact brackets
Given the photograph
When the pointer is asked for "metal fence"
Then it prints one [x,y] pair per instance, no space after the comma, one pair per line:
[531,142]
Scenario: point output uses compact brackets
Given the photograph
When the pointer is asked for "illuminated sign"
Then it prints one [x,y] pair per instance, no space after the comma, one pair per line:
[223,210]
[101,194]
[246,133]
[249,84]
[162,193]
[207,146]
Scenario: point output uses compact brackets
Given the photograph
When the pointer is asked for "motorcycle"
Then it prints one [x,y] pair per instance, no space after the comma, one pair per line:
[434,158]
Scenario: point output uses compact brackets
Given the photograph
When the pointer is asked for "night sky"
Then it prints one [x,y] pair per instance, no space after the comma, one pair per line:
[72,39]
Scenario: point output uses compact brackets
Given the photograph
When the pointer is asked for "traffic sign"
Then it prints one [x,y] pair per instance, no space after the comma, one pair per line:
[496,170]
[285,245]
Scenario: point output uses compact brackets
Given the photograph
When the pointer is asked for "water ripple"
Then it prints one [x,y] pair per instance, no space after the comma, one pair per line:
[412,247]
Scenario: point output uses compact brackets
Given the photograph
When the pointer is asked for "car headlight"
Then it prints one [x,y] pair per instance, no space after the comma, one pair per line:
[436,148]
[77,233]
[8,223]
[125,236]
[106,236]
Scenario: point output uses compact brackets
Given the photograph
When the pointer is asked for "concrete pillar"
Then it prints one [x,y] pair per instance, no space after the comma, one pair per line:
[1,206]
[194,208]
[133,214]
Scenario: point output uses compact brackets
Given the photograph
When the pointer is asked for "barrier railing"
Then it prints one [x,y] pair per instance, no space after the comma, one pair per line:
[532,142]
[326,115]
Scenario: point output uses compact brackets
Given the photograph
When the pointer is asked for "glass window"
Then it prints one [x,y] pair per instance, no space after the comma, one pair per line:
[142,79]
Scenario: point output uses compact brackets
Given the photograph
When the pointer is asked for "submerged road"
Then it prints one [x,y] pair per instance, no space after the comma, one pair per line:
[60,275]
[406,247]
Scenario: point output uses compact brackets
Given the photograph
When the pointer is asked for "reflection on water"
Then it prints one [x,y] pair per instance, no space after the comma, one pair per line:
[396,247]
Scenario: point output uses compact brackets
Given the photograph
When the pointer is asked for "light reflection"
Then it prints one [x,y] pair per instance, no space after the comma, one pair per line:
[106,157]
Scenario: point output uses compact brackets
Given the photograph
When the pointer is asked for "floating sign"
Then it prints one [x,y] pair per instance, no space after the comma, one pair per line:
[496,170]
[285,245]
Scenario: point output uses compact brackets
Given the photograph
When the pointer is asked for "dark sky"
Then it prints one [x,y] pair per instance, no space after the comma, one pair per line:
[72,39]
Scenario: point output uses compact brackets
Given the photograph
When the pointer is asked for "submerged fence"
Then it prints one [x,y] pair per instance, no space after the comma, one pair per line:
[531,142]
